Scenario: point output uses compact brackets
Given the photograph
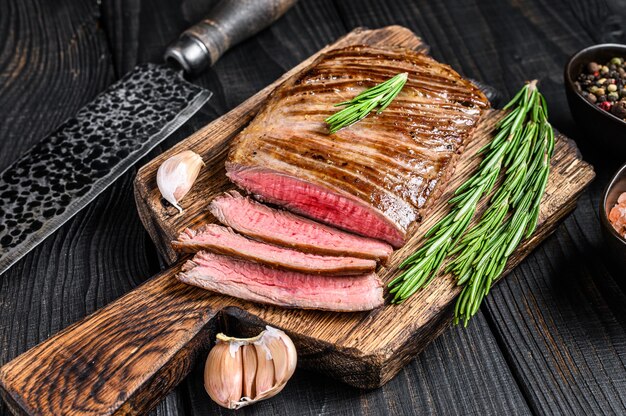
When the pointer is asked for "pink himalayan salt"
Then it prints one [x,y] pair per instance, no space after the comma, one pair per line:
[617,216]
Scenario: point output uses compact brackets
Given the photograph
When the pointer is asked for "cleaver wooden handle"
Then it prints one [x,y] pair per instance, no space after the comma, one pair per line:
[230,22]
[120,360]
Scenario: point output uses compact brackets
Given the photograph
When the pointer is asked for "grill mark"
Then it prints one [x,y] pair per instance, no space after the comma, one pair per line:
[381,72]
[319,151]
[367,176]
[415,64]
[418,129]
[362,145]
[395,117]
[418,87]
[365,76]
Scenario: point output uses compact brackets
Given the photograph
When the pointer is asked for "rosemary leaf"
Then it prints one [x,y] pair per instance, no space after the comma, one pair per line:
[356,109]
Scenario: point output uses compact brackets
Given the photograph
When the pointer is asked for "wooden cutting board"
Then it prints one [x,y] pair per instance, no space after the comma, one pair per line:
[127,356]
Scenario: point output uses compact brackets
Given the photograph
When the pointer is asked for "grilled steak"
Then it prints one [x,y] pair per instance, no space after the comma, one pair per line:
[259,283]
[376,177]
[286,229]
[222,240]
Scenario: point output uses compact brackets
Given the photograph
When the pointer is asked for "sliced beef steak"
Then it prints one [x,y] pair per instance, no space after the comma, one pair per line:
[222,240]
[259,283]
[288,230]
[376,177]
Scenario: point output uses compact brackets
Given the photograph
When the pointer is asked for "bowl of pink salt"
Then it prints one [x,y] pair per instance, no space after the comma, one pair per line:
[613,217]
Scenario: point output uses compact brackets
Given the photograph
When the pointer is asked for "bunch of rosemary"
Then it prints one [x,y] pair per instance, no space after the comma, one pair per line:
[522,148]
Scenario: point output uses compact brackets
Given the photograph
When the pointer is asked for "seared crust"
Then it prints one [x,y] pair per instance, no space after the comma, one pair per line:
[394,161]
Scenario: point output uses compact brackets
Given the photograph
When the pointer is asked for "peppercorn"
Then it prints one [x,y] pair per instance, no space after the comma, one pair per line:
[619,109]
[606,105]
[593,67]
[604,85]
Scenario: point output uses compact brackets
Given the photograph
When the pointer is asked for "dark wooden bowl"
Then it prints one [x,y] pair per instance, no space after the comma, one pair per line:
[616,244]
[602,129]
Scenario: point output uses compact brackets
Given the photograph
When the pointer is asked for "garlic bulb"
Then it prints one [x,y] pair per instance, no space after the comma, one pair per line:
[242,371]
[177,174]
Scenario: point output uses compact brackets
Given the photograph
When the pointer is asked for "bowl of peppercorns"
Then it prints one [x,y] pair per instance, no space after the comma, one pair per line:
[595,83]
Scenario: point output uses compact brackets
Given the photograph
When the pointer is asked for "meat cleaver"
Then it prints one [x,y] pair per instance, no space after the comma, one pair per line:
[61,174]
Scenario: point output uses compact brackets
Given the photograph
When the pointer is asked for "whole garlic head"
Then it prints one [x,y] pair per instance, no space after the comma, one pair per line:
[176,176]
[242,371]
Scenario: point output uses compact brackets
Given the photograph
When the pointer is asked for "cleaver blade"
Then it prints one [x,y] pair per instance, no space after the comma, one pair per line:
[64,172]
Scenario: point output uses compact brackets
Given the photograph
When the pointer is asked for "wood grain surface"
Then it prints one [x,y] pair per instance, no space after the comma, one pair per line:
[126,357]
[563,308]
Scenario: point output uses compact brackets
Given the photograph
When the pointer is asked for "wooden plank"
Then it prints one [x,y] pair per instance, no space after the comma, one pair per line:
[365,350]
[34,79]
[557,318]
[54,59]
[560,318]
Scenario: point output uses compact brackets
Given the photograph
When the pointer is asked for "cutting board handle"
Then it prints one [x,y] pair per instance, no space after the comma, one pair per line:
[229,23]
[120,360]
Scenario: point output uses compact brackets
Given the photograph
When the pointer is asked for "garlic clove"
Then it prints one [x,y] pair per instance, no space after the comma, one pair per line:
[249,370]
[266,364]
[291,356]
[284,357]
[264,370]
[223,375]
[279,357]
[176,176]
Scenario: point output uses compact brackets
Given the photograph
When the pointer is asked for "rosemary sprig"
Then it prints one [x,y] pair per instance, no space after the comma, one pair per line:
[356,109]
[485,249]
[522,147]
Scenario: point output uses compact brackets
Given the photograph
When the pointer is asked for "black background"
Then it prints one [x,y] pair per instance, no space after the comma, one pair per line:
[550,338]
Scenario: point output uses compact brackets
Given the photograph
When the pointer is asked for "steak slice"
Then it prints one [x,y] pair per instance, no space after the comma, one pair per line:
[376,177]
[218,239]
[289,230]
[259,283]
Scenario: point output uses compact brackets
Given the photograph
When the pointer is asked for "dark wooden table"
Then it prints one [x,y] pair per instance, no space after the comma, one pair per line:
[550,338]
